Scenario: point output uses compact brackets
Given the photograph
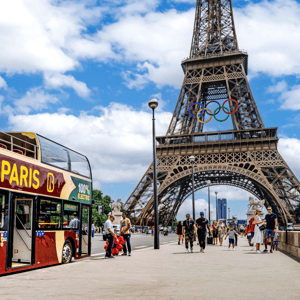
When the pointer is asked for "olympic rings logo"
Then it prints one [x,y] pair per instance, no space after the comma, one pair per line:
[208,111]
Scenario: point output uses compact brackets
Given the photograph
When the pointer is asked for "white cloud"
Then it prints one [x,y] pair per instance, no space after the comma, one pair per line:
[289,97]
[3,84]
[270,32]
[112,141]
[280,87]
[289,148]
[56,81]
[35,99]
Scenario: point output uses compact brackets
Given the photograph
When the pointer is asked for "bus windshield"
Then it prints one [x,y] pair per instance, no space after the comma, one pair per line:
[64,158]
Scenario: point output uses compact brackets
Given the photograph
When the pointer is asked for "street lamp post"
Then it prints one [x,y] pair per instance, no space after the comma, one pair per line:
[217,206]
[205,212]
[229,213]
[208,182]
[153,103]
[192,160]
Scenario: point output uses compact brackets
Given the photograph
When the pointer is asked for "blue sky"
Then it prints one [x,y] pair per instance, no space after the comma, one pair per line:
[82,72]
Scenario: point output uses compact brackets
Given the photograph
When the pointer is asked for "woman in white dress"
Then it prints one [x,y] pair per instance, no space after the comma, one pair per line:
[257,239]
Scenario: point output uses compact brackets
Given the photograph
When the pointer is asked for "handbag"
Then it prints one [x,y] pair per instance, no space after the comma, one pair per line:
[262,227]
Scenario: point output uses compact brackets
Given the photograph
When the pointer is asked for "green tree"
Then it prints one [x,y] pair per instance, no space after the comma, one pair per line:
[105,201]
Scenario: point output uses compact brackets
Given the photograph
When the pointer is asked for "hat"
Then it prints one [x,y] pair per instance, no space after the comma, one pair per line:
[187,214]
[258,209]
[201,213]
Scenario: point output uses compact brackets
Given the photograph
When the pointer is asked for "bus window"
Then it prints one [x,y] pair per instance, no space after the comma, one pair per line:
[3,213]
[79,164]
[49,215]
[54,154]
[69,215]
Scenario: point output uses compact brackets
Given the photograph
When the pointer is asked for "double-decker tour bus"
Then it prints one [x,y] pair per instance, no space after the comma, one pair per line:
[45,203]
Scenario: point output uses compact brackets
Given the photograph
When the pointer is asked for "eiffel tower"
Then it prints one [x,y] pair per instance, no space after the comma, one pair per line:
[245,157]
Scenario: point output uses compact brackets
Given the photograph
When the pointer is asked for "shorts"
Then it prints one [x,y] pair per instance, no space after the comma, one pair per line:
[269,233]
[231,241]
[215,233]
[275,243]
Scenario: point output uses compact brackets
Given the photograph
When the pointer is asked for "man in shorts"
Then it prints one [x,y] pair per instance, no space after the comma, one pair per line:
[270,230]
[188,230]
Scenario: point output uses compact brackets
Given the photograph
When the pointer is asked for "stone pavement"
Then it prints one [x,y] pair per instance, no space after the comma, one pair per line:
[168,273]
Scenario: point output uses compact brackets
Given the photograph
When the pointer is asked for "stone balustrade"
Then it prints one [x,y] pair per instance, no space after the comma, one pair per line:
[293,242]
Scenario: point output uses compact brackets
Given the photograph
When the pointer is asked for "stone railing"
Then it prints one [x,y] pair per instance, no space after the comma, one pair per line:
[290,243]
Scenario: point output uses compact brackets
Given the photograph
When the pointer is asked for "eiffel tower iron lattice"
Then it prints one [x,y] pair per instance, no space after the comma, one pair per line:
[245,157]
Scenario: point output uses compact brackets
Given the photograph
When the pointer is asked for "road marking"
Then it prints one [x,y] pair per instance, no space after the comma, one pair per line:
[97,254]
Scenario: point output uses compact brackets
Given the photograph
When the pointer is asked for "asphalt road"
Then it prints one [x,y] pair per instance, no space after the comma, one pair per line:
[138,241]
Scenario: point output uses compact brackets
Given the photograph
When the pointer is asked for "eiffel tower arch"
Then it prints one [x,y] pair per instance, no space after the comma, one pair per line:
[246,156]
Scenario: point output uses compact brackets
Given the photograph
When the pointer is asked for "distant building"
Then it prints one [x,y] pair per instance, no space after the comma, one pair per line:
[222,209]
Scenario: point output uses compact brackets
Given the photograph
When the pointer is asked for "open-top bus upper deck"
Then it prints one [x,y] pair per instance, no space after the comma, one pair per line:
[32,163]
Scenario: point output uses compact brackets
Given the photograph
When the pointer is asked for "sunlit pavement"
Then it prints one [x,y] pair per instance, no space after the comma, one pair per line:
[167,273]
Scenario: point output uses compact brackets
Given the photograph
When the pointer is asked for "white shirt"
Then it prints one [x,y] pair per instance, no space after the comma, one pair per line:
[107,225]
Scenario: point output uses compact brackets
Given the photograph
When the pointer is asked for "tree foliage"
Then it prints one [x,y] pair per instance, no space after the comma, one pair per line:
[105,201]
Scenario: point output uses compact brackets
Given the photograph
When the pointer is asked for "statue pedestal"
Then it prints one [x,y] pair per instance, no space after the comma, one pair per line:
[118,218]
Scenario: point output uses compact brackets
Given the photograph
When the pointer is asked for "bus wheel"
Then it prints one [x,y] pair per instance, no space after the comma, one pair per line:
[67,253]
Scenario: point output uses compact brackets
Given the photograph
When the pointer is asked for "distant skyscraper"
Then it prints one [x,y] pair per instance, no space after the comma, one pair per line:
[222,209]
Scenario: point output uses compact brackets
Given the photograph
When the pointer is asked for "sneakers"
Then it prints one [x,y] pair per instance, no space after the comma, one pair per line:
[266,251]
[129,254]
[258,251]
[252,248]
[109,256]
[271,251]
[178,243]
[228,249]
[124,254]
[201,250]
[233,249]
[187,251]
[192,250]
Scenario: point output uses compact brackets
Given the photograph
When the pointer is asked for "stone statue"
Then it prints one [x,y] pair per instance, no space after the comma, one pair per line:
[116,207]
[253,205]
[116,211]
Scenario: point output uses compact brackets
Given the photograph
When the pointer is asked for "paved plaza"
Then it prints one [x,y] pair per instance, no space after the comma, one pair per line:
[168,273]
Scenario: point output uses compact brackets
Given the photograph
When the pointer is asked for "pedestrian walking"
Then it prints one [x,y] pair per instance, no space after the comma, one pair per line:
[179,232]
[221,231]
[215,232]
[242,229]
[109,231]
[251,230]
[231,233]
[271,225]
[188,230]
[234,224]
[93,229]
[257,238]
[125,232]
[202,225]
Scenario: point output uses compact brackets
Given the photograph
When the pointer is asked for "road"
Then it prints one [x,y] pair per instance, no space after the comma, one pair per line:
[138,241]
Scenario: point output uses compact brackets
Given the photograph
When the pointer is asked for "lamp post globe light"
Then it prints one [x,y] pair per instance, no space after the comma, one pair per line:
[153,103]
[192,160]
[208,182]
[217,206]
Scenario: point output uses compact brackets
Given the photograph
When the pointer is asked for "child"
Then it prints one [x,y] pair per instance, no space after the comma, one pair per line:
[276,240]
[231,232]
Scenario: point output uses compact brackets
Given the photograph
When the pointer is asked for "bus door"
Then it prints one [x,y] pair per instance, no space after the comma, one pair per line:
[22,232]
[85,231]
